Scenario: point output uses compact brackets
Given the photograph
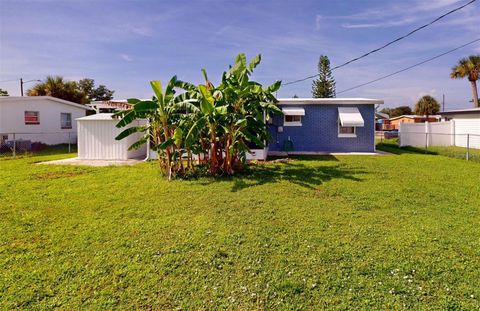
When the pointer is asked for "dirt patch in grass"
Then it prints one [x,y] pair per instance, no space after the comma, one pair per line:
[57,175]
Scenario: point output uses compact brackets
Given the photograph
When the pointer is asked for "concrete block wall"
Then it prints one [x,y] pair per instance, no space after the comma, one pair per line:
[319,130]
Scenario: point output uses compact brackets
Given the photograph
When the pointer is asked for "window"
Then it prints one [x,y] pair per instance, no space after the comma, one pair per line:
[346,131]
[32,117]
[292,120]
[66,120]
[349,118]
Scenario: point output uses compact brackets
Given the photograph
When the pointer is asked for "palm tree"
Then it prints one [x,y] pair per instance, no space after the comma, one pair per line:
[58,87]
[427,105]
[468,67]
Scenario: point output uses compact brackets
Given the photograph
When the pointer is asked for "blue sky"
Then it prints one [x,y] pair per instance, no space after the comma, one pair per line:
[124,44]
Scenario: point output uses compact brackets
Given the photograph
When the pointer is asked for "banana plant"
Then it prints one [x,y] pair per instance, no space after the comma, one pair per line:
[214,122]
[162,128]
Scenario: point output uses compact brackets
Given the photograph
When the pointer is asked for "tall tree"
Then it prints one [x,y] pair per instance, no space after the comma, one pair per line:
[101,93]
[468,67]
[324,86]
[427,105]
[3,92]
[95,93]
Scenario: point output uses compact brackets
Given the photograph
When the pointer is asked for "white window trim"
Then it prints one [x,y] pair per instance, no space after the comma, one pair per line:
[71,123]
[294,123]
[346,135]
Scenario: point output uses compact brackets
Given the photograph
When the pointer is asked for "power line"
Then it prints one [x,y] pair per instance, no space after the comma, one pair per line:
[9,80]
[387,44]
[409,67]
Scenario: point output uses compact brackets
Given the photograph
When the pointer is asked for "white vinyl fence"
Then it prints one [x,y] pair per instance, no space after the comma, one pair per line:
[458,133]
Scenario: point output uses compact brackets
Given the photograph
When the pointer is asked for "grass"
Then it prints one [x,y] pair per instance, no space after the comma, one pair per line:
[347,232]
[391,145]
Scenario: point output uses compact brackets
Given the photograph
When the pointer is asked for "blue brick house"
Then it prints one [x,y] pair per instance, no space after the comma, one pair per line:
[317,125]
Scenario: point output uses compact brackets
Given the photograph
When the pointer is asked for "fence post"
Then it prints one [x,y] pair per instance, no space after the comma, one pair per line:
[427,131]
[69,142]
[468,147]
[426,142]
[14,145]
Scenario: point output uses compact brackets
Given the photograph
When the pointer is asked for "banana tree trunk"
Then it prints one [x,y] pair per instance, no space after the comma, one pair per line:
[475,94]
[228,167]
[167,151]
[213,151]
[227,162]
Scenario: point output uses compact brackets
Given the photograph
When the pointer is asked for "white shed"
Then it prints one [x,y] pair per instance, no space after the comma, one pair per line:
[96,139]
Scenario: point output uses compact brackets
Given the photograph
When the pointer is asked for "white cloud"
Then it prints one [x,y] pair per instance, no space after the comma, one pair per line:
[318,22]
[401,22]
[125,57]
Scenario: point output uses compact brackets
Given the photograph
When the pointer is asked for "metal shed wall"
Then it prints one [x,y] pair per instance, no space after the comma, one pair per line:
[96,141]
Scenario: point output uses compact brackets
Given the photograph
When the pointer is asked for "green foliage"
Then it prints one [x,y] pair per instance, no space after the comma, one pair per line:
[216,123]
[427,105]
[81,92]
[336,233]
[87,86]
[3,92]
[397,111]
[324,86]
[469,67]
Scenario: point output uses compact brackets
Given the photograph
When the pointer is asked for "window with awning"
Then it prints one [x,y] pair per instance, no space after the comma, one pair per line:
[349,118]
[293,111]
[293,116]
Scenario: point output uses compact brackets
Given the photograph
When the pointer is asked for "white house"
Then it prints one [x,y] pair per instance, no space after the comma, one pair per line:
[44,119]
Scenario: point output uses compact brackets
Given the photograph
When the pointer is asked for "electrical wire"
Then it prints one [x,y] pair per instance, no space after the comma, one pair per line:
[410,67]
[385,45]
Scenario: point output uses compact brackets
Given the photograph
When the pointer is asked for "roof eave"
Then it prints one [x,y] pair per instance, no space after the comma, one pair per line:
[329,101]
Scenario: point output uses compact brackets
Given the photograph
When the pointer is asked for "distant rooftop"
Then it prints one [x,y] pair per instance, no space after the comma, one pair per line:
[461,111]
[415,116]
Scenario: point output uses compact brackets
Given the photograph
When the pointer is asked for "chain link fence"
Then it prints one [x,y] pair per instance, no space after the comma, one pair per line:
[21,144]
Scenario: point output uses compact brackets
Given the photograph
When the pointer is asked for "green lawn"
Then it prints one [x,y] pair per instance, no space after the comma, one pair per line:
[391,145]
[346,232]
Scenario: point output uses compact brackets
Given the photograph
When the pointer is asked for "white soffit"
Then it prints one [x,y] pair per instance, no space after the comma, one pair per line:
[350,116]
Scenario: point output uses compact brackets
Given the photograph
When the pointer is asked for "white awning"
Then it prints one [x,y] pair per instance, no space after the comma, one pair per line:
[350,116]
[293,111]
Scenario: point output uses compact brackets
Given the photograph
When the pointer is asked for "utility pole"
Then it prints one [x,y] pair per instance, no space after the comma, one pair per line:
[443,102]
[22,83]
